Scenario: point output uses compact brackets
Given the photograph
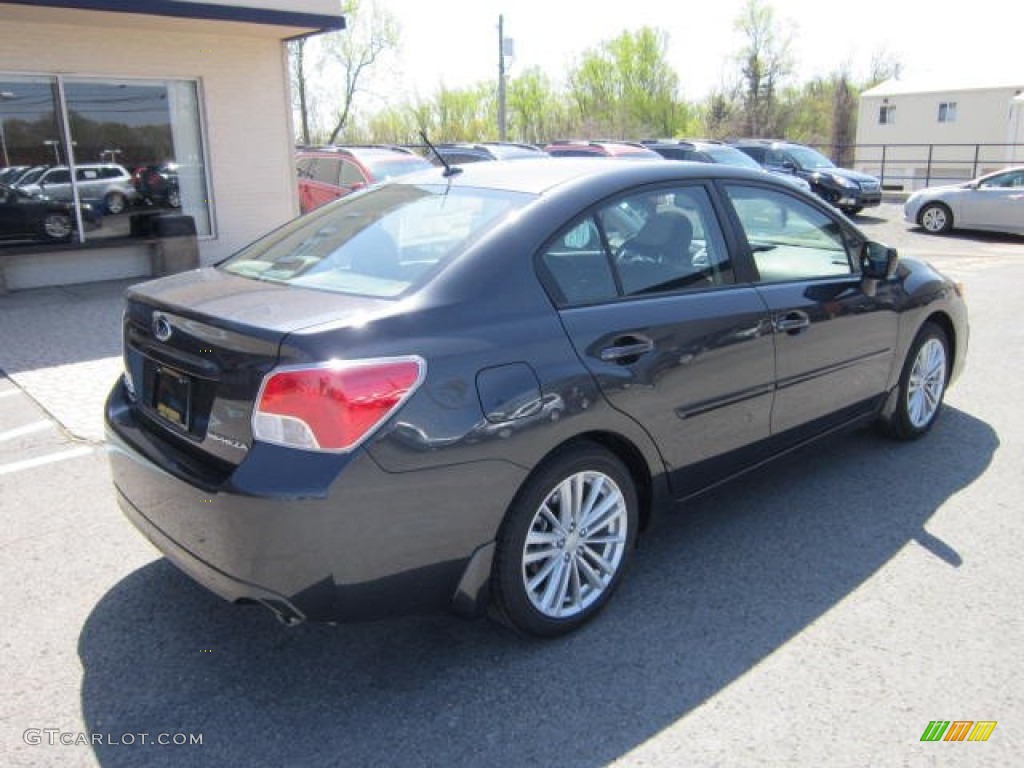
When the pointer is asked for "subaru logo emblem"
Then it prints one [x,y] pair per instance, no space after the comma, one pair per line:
[161,327]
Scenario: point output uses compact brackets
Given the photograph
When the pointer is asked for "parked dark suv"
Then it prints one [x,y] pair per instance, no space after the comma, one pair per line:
[461,153]
[711,151]
[849,191]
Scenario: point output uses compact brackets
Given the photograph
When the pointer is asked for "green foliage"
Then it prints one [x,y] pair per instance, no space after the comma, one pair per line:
[626,88]
[536,111]
[622,88]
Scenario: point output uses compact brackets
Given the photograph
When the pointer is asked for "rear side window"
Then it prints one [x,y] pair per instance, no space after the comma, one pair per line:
[579,265]
[327,170]
[654,242]
[383,243]
[351,175]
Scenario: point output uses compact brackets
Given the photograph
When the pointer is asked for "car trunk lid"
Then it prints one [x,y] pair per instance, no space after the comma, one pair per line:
[197,347]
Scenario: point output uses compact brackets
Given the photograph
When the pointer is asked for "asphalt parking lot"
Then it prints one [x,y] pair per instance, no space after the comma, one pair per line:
[820,611]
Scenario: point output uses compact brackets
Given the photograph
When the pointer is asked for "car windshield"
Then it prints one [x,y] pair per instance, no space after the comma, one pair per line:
[382,243]
[808,158]
[30,177]
[397,166]
[730,156]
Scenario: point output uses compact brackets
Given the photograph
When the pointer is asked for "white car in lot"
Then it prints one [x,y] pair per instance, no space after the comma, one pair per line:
[993,202]
[106,183]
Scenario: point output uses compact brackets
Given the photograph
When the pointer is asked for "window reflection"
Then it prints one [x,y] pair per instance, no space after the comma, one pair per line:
[136,147]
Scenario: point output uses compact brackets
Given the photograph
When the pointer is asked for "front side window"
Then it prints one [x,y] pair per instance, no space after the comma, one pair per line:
[789,239]
[326,170]
[1013,179]
[384,243]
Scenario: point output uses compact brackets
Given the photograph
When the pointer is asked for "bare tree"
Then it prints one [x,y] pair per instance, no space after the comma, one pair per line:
[844,119]
[300,90]
[884,66]
[765,62]
[372,32]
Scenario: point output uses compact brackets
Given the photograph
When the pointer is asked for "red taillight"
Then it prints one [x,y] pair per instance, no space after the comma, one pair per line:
[334,406]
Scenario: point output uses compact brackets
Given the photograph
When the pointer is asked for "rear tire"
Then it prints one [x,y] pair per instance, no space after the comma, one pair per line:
[565,542]
[922,385]
[935,218]
[115,202]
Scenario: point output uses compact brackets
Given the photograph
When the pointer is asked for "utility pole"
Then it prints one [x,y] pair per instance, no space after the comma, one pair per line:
[502,124]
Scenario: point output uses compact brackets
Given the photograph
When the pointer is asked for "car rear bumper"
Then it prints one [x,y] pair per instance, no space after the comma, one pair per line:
[343,540]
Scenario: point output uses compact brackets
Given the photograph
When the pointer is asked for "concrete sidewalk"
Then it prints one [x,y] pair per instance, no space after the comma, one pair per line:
[62,346]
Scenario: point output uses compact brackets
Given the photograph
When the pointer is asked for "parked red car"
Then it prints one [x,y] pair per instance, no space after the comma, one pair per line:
[327,173]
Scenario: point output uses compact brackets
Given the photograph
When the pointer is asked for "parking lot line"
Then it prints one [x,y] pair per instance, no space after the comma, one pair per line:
[50,458]
[10,393]
[28,429]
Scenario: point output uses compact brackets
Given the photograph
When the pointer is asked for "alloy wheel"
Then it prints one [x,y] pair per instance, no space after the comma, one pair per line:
[926,383]
[575,544]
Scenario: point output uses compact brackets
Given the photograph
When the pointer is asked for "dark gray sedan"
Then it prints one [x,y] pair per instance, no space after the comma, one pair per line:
[476,388]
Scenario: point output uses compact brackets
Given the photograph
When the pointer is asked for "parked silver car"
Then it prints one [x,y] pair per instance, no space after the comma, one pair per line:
[994,202]
[106,182]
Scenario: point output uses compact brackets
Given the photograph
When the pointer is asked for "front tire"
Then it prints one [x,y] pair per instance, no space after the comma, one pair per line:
[922,385]
[56,226]
[565,542]
[935,218]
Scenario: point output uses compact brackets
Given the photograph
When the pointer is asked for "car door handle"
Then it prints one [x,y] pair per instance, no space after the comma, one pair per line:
[792,322]
[626,349]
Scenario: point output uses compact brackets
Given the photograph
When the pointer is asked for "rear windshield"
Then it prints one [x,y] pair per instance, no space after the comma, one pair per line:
[382,243]
[730,156]
[398,166]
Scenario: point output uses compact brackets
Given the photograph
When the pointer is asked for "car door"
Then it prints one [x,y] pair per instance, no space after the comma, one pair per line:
[323,186]
[997,203]
[56,183]
[652,307]
[14,214]
[834,342]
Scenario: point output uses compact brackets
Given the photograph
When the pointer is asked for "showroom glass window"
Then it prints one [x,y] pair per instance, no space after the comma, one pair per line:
[137,146]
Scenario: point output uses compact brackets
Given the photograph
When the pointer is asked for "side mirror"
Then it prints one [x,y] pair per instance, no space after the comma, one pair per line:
[789,166]
[877,263]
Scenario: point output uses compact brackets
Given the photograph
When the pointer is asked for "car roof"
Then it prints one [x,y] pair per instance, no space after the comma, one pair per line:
[610,147]
[374,150]
[537,176]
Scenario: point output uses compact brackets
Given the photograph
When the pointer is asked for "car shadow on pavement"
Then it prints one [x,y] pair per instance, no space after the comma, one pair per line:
[710,594]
